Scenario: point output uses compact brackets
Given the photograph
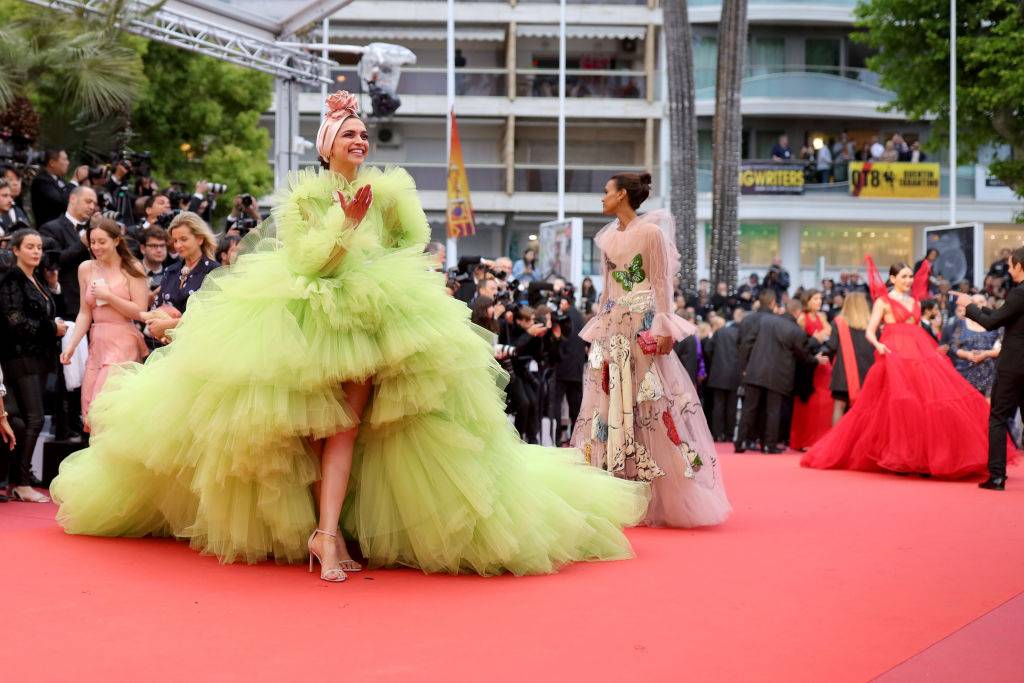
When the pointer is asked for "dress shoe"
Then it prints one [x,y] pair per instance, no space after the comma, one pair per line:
[740,447]
[993,484]
[773,450]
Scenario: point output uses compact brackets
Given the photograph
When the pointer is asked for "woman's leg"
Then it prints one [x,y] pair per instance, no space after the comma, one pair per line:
[335,466]
[838,410]
[28,392]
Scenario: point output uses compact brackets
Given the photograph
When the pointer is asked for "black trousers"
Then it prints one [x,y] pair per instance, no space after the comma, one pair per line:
[571,392]
[522,394]
[1007,398]
[27,389]
[9,457]
[758,400]
[723,415]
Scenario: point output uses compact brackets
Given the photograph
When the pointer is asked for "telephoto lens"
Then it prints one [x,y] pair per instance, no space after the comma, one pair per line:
[217,188]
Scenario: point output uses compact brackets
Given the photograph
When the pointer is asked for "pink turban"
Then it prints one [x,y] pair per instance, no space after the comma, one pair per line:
[340,106]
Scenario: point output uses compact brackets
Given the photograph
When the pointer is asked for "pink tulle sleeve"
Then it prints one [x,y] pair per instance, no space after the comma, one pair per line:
[661,260]
[595,326]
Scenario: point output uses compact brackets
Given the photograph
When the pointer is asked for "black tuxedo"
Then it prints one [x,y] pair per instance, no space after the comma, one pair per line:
[60,237]
[723,353]
[9,224]
[1008,390]
[49,198]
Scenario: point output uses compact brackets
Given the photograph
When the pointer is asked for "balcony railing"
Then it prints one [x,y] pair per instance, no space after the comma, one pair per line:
[610,83]
[578,178]
[705,76]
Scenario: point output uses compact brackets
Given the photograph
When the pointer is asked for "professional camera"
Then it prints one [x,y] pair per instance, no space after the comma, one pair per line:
[216,188]
[247,200]
[244,224]
[16,153]
[164,219]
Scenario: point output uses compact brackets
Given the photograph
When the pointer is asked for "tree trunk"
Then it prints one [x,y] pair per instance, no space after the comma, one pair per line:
[682,119]
[728,130]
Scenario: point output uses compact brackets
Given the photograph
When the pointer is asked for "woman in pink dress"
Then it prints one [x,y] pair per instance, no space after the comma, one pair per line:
[812,417]
[915,413]
[641,418]
[114,294]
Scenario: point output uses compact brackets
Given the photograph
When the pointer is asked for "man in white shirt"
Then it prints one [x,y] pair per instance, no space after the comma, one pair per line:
[877,148]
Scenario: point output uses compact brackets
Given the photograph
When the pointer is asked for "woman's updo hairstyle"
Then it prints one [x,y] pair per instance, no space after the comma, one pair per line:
[895,268]
[636,185]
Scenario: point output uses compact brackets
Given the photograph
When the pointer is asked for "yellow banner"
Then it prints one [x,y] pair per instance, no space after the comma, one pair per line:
[901,180]
[460,209]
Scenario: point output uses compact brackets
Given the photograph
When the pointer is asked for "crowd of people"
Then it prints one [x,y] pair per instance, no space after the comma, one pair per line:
[828,159]
[95,269]
[791,385]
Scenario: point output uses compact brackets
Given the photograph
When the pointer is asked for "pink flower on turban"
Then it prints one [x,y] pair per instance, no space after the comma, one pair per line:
[341,105]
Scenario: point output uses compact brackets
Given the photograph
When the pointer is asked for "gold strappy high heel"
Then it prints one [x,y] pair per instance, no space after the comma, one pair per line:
[348,565]
[335,575]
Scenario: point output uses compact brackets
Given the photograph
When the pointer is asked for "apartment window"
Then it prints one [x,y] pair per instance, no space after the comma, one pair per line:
[845,246]
[822,55]
[765,55]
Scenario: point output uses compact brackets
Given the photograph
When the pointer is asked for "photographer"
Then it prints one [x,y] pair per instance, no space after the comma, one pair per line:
[244,216]
[528,349]
[153,208]
[12,216]
[569,354]
[49,191]
[204,200]
[227,249]
[153,240]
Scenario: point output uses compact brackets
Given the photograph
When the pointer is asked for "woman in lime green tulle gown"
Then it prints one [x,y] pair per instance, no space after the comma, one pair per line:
[330,358]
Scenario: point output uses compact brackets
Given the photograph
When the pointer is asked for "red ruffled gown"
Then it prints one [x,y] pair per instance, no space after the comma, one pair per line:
[915,414]
[813,418]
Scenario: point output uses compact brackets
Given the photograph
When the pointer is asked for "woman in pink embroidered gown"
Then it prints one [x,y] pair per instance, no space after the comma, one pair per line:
[114,294]
[641,418]
[915,413]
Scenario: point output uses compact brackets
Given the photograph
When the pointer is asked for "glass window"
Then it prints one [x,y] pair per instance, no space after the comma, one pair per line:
[845,246]
[999,237]
[822,53]
[759,243]
[705,59]
[765,55]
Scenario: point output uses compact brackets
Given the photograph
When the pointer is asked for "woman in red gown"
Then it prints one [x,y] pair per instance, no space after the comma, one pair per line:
[915,413]
[812,418]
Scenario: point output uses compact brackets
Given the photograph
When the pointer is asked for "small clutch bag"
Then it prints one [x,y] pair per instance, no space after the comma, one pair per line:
[648,344]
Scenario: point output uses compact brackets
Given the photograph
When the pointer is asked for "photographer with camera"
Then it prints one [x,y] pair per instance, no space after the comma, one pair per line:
[154,207]
[49,192]
[244,216]
[204,200]
[569,355]
[525,341]
[12,216]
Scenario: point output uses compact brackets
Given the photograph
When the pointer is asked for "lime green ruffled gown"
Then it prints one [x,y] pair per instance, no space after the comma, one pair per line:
[210,440]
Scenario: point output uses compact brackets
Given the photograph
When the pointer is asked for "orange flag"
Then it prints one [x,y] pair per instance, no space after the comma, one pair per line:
[460,209]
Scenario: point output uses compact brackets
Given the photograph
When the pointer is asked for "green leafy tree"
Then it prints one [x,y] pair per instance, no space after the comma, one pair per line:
[912,40]
[79,74]
[199,118]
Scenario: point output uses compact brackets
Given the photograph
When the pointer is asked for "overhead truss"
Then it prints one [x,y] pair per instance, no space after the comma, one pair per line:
[227,38]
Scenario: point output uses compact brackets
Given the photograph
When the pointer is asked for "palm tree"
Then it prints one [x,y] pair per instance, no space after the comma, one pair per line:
[728,128]
[82,73]
[682,117]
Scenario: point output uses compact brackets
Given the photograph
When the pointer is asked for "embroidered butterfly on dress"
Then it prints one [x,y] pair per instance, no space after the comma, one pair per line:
[633,275]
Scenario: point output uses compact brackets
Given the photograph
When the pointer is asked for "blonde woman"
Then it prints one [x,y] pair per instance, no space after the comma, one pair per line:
[194,243]
[114,294]
[851,352]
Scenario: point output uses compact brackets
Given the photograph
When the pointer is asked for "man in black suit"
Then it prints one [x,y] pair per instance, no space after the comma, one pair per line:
[1008,390]
[16,218]
[66,238]
[12,218]
[773,348]
[49,191]
[723,353]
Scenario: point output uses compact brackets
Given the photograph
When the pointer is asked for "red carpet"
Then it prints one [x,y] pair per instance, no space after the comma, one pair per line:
[819,576]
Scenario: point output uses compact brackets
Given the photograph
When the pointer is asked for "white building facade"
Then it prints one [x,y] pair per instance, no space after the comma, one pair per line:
[804,77]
